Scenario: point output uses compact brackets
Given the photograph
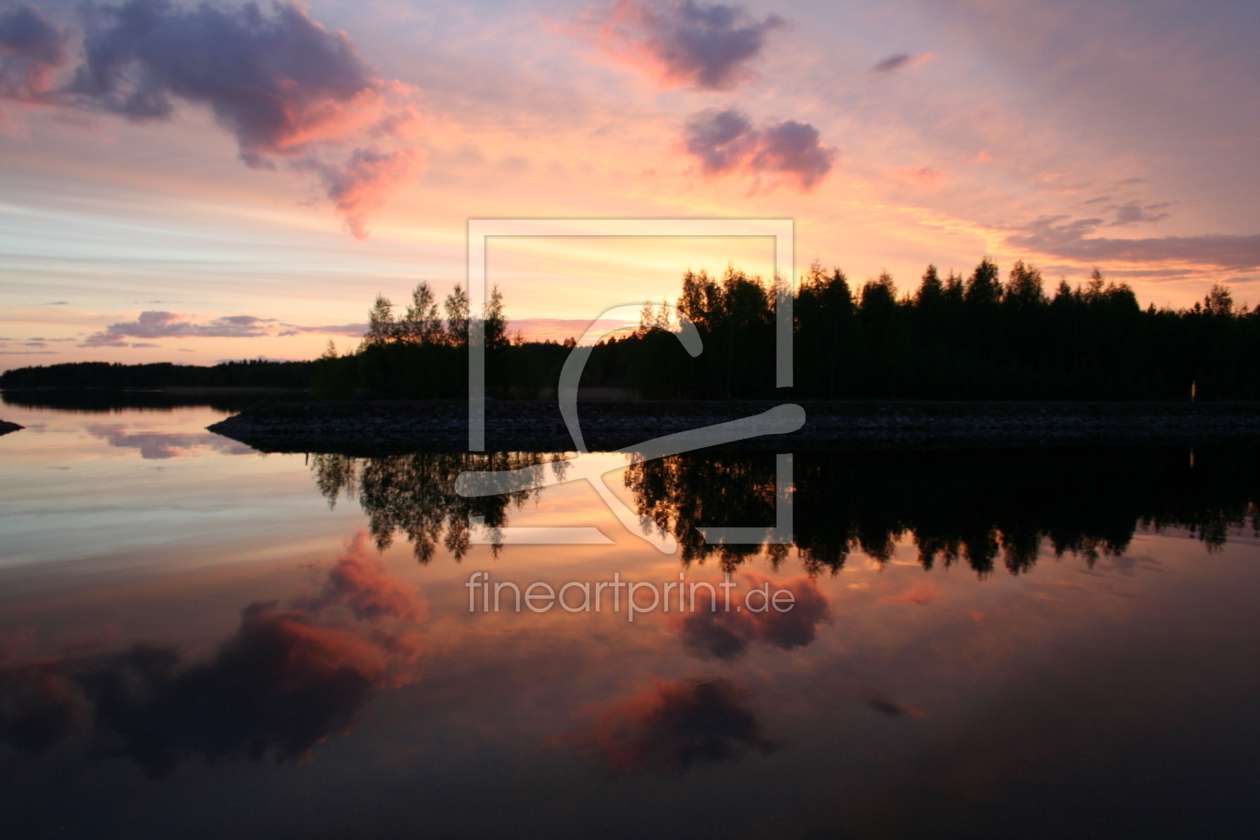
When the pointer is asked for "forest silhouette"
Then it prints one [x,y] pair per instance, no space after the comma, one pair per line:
[951,338]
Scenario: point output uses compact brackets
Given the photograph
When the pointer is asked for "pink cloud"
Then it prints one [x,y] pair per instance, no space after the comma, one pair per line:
[725,141]
[681,43]
[358,186]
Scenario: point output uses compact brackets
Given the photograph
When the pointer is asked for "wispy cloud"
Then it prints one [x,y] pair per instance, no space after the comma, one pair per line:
[350,330]
[680,44]
[1056,236]
[726,141]
[1134,213]
[900,61]
[358,185]
[157,324]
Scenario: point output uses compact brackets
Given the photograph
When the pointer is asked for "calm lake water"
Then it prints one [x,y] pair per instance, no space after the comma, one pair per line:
[198,640]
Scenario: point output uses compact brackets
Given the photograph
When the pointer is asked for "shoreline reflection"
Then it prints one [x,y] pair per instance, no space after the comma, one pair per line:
[985,508]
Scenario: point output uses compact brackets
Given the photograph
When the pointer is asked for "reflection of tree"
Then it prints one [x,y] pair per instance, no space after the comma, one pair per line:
[983,507]
[980,506]
[684,491]
[416,494]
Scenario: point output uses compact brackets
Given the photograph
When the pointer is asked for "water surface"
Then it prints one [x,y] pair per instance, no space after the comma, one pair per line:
[199,640]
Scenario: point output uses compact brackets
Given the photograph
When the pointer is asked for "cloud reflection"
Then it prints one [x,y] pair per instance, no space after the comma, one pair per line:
[672,726]
[289,677]
[163,445]
[727,634]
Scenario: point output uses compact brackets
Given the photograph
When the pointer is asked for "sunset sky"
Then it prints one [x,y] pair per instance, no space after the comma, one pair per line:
[192,183]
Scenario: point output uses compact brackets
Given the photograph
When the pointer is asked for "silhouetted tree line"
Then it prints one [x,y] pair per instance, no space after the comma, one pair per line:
[422,352]
[951,338]
[982,507]
[247,373]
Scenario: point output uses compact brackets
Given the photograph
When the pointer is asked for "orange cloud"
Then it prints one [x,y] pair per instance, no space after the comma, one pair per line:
[359,185]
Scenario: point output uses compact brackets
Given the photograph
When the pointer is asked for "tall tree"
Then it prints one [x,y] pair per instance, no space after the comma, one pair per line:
[496,323]
[382,328]
[422,323]
[1023,287]
[456,306]
[930,288]
[983,287]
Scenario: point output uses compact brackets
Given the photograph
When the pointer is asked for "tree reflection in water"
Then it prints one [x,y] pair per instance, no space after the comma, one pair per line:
[415,494]
[976,505]
[981,506]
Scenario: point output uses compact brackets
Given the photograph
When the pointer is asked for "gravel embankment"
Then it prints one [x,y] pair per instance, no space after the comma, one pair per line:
[378,428]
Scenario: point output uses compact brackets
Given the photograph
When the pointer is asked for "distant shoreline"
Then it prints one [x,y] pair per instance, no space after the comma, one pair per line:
[395,427]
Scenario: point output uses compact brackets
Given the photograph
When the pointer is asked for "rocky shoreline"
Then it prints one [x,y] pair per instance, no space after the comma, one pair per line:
[382,428]
[6,427]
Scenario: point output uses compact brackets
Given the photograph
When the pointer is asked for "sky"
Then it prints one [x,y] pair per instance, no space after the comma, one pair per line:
[197,182]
